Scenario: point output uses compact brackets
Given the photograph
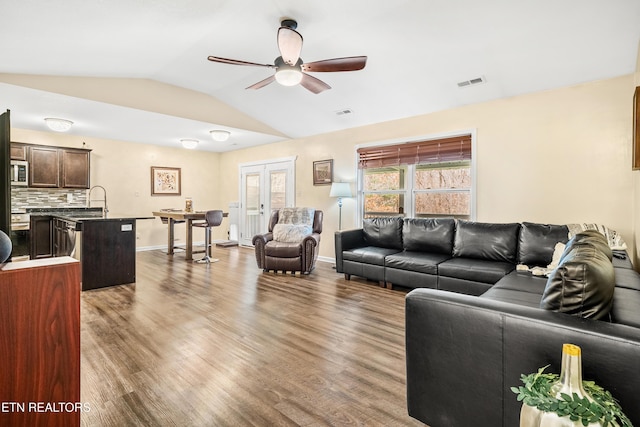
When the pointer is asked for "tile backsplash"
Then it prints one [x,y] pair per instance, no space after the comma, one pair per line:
[22,197]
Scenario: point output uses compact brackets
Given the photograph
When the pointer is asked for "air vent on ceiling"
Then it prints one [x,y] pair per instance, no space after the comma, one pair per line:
[344,111]
[472,82]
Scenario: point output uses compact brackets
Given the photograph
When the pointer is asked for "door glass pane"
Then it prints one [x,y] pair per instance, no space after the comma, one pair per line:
[252,192]
[278,195]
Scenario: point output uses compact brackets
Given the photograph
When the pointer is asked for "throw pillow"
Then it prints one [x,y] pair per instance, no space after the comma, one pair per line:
[583,283]
[291,233]
[296,216]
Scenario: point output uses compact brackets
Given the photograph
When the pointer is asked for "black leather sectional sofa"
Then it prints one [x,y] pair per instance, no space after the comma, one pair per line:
[475,323]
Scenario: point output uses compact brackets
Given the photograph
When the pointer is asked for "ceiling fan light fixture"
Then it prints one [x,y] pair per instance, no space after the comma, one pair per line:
[58,125]
[288,76]
[189,143]
[220,135]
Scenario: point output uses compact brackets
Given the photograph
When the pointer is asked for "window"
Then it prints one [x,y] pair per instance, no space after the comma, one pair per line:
[422,179]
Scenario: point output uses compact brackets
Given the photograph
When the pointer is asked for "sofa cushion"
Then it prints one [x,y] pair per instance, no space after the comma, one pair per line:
[429,235]
[368,255]
[537,241]
[282,249]
[627,278]
[517,287]
[625,307]
[476,270]
[583,283]
[621,259]
[495,242]
[523,281]
[416,261]
[383,232]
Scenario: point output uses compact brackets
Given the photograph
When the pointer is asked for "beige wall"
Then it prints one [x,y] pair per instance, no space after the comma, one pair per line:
[636,180]
[558,156]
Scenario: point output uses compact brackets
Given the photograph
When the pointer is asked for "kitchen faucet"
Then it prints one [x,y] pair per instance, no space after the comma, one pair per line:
[99,200]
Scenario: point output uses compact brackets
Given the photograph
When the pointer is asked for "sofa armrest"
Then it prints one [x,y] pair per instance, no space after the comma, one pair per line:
[463,354]
[345,240]
[259,241]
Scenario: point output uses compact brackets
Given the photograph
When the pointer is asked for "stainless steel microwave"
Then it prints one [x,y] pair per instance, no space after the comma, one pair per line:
[19,172]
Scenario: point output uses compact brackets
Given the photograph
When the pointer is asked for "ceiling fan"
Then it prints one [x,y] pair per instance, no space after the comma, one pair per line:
[290,67]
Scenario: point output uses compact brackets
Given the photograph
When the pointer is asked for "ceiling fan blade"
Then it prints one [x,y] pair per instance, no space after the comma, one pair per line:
[262,83]
[312,84]
[237,62]
[351,63]
[290,45]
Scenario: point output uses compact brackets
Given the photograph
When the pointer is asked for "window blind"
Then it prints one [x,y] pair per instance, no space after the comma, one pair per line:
[432,151]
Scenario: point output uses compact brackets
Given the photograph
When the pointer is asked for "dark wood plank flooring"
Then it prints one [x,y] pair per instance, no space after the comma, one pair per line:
[228,345]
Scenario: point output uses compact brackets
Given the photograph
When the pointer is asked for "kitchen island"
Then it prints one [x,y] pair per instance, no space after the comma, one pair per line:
[106,248]
[105,244]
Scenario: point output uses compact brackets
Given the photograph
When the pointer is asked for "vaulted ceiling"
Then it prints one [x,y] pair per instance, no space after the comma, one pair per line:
[137,70]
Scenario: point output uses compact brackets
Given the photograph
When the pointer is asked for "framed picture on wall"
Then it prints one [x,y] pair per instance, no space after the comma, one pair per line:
[165,181]
[323,172]
[636,129]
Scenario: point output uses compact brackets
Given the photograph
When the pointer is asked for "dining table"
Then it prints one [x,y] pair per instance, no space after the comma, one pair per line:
[174,216]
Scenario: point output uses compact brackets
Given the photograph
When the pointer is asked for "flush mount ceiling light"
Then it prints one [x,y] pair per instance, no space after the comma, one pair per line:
[220,135]
[189,143]
[58,125]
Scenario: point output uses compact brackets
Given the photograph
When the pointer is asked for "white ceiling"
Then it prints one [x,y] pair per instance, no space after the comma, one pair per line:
[418,50]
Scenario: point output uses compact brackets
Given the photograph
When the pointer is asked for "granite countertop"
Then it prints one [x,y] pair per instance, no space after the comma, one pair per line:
[84,214]
[108,217]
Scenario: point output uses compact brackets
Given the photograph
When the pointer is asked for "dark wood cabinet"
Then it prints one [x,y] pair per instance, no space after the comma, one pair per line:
[64,235]
[40,342]
[19,151]
[40,236]
[44,167]
[108,253]
[74,167]
[57,167]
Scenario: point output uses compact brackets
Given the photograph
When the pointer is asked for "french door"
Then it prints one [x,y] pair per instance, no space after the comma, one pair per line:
[264,186]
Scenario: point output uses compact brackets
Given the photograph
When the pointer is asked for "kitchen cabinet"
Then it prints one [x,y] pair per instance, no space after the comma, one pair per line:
[58,167]
[64,237]
[44,167]
[19,151]
[40,342]
[74,168]
[40,236]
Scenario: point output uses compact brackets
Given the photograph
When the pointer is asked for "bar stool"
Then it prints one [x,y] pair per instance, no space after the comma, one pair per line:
[212,218]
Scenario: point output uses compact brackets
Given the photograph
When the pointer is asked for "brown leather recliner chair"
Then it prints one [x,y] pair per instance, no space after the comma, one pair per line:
[272,254]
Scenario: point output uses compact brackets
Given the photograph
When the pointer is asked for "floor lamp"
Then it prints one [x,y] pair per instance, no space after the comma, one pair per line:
[340,190]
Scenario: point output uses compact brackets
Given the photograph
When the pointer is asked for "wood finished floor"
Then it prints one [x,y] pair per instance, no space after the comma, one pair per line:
[228,345]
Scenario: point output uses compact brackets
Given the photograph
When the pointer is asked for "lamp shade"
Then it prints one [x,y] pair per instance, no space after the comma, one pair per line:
[340,189]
